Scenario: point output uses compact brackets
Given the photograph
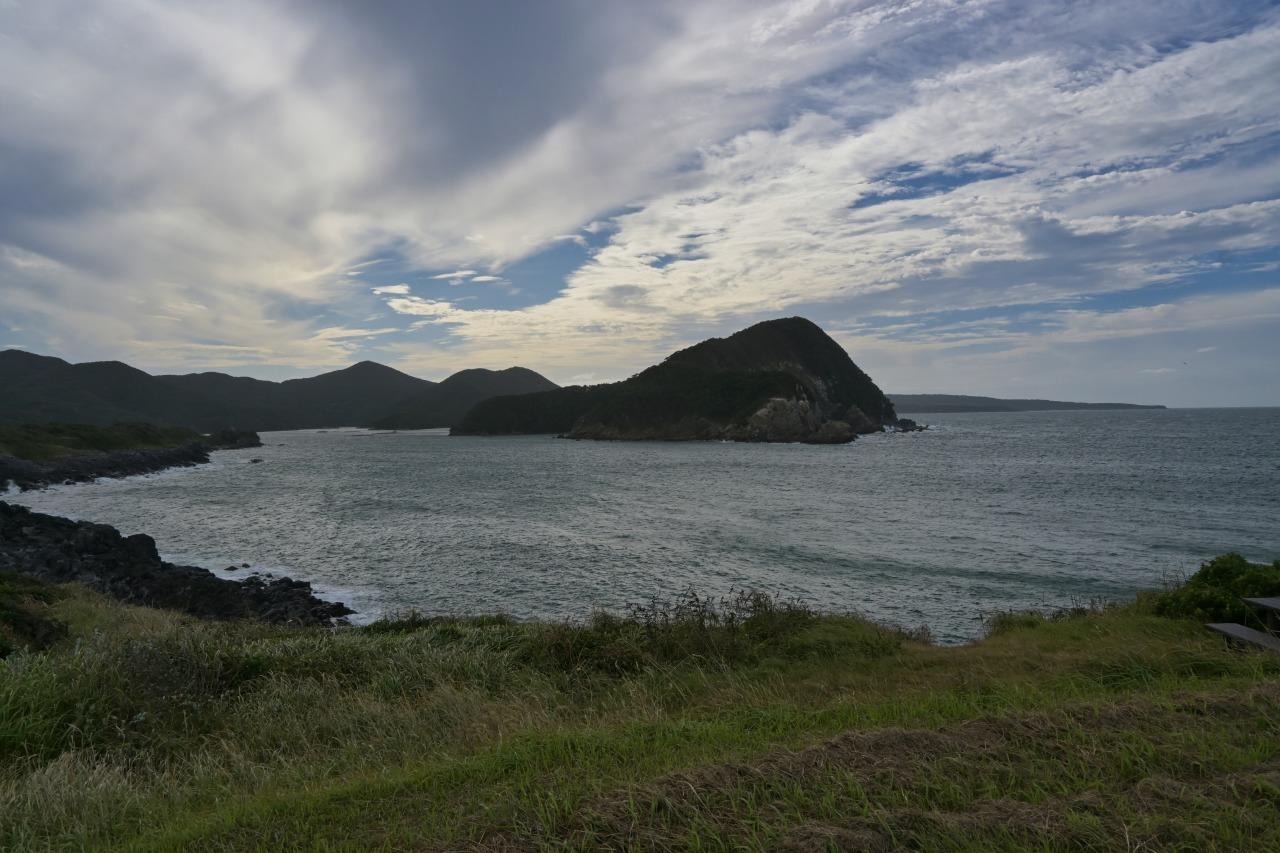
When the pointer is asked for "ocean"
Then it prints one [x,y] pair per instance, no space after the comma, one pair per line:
[982,513]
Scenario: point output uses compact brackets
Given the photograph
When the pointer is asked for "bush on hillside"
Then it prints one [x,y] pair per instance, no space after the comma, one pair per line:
[1214,593]
[23,623]
[43,442]
[746,627]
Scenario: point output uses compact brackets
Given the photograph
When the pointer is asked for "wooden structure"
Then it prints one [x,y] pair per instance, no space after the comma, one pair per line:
[1267,639]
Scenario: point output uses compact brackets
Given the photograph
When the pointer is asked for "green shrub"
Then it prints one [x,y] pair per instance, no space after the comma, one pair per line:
[744,628]
[23,623]
[42,442]
[1013,620]
[410,621]
[1214,593]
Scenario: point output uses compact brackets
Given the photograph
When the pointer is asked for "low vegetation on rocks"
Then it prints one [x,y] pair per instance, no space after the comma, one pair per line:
[36,455]
[44,442]
[691,723]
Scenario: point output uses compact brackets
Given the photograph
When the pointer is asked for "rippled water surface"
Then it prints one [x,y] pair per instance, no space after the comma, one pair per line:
[985,512]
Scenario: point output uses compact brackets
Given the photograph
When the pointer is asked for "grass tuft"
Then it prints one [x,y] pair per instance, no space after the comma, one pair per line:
[749,722]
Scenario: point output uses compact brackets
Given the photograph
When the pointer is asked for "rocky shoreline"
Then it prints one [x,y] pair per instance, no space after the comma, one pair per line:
[59,550]
[27,474]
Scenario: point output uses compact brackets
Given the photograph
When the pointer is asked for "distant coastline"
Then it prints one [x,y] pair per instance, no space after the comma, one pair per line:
[958,403]
[33,456]
[59,550]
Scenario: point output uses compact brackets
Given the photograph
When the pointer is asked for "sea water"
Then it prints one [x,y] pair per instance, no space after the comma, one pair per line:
[981,513]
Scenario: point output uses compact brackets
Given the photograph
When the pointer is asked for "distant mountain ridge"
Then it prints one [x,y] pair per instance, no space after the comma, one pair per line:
[713,386]
[952,403]
[445,404]
[39,389]
[780,380]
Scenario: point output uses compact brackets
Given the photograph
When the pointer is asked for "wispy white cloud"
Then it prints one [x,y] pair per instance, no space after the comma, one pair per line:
[854,161]
[338,333]
[415,305]
[358,269]
[770,219]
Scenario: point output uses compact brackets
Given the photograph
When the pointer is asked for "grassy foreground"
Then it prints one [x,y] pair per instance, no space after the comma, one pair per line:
[750,724]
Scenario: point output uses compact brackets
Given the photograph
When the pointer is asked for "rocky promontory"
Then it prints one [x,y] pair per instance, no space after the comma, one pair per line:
[59,550]
[780,380]
[84,467]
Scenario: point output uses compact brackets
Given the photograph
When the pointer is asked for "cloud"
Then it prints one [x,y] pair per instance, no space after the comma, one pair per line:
[769,219]
[877,164]
[358,269]
[337,333]
[437,309]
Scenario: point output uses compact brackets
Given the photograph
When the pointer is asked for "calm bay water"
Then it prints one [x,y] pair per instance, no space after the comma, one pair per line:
[985,512]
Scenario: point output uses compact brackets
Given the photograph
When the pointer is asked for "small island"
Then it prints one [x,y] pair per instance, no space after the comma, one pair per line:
[780,380]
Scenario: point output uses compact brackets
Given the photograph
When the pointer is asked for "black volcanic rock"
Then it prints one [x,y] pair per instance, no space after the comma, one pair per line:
[26,474]
[781,380]
[59,550]
[233,439]
[447,403]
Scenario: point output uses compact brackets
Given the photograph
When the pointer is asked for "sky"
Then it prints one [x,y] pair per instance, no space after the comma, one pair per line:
[1069,200]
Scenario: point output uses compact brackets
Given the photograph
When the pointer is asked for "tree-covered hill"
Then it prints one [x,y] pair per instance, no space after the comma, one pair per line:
[780,380]
[41,389]
[447,403]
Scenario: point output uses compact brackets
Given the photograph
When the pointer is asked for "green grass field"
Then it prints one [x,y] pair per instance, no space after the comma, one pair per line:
[42,442]
[754,724]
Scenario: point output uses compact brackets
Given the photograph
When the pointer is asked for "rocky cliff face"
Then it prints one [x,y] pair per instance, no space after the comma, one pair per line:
[781,380]
[824,373]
